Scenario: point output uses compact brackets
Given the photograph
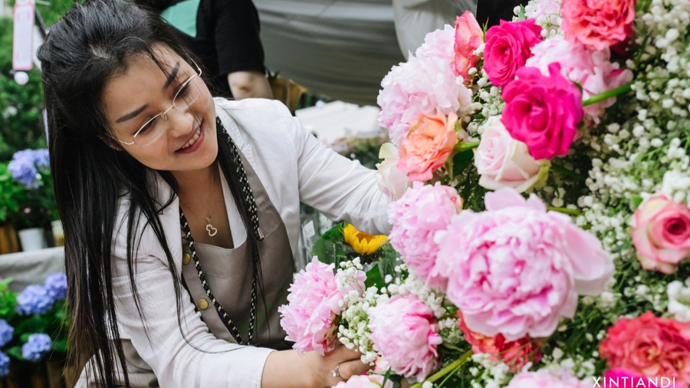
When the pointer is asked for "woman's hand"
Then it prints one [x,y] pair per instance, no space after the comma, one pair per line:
[311,370]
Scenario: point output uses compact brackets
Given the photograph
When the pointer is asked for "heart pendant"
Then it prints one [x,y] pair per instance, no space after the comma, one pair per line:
[211,230]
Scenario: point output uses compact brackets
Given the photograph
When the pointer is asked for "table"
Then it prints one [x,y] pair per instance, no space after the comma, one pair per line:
[31,267]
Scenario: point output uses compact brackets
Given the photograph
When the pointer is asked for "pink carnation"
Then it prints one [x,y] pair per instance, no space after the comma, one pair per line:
[405,333]
[416,217]
[543,112]
[592,69]
[543,379]
[373,381]
[312,307]
[420,85]
[507,49]
[516,268]
[649,346]
[598,23]
[438,44]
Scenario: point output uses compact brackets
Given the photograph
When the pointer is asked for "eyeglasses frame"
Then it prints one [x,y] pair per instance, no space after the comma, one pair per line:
[163,114]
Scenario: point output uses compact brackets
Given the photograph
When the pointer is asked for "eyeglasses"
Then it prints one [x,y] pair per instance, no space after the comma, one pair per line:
[185,96]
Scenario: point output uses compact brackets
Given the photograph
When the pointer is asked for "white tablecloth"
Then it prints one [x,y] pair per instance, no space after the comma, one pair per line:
[31,267]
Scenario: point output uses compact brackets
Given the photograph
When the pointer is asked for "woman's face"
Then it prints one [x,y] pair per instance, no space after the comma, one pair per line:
[187,139]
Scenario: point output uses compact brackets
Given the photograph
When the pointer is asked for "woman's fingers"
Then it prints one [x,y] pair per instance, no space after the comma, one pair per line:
[352,368]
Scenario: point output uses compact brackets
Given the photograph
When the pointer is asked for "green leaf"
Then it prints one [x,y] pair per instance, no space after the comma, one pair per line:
[461,161]
[636,201]
[325,251]
[334,234]
[15,352]
[374,278]
[60,345]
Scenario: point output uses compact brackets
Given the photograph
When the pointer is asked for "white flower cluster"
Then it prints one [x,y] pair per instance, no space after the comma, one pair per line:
[487,101]
[644,149]
[547,14]
[581,367]
[489,373]
[679,300]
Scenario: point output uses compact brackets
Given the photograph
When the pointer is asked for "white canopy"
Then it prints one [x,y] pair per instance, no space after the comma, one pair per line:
[343,48]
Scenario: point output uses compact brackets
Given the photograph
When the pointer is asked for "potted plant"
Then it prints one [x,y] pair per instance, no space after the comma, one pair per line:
[10,196]
[30,168]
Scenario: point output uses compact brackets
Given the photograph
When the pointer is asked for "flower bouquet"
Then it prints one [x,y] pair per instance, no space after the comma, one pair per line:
[540,179]
[33,328]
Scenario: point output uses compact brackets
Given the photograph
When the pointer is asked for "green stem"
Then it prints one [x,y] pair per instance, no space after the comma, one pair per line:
[460,147]
[608,94]
[565,171]
[451,367]
[565,210]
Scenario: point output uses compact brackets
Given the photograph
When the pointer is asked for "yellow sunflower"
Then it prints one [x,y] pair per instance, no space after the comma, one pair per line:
[363,243]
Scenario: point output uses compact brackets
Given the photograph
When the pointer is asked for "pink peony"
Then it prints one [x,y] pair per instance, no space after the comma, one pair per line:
[515,269]
[597,23]
[505,162]
[507,49]
[405,333]
[543,379]
[592,69]
[313,304]
[649,346]
[373,381]
[468,37]
[438,44]
[662,233]
[515,354]
[420,85]
[392,181]
[416,217]
[427,145]
[623,378]
[542,112]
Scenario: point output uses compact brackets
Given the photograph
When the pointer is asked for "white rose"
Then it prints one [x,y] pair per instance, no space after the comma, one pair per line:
[505,162]
[392,181]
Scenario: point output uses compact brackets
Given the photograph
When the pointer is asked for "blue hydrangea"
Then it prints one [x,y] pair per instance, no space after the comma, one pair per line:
[37,347]
[4,365]
[23,168]
[56,285]
[25,164]
[34,300]
[6,332]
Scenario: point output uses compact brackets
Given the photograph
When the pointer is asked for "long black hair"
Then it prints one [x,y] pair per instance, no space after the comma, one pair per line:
[91,43]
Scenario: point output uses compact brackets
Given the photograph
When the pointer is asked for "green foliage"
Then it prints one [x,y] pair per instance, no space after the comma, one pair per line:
[11,193]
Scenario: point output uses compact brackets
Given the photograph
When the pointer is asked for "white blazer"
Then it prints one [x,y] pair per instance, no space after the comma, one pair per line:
[294,167]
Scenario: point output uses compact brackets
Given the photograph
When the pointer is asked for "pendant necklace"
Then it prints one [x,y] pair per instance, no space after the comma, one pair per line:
[212,231]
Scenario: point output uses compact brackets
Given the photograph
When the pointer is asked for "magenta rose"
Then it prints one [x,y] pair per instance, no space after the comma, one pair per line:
[662,233]
[405,333]
[543,112]
[598,23]
[507,48]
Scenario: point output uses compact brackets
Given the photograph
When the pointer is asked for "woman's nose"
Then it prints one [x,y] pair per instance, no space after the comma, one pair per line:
[180,122]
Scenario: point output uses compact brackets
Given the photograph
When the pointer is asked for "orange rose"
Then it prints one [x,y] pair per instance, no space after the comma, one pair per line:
[427,145]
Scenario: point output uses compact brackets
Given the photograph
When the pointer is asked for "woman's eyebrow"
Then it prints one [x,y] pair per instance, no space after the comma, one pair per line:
[172,75]
[131,115]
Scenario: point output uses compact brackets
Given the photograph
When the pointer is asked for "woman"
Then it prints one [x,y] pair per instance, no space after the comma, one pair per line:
[181,212]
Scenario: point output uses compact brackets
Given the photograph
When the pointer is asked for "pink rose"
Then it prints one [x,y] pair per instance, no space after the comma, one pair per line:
[427,145]
[662,233]
[392,181]
[313,304]
[420,85]
[505,162]
[543,379]
[405,333]
[592,69]
[515,354]
[623,378]
[515,269]
[372,381]
[597,23]
[416,217]
[507,49]
[542,112]
[468,37]
[649,346]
